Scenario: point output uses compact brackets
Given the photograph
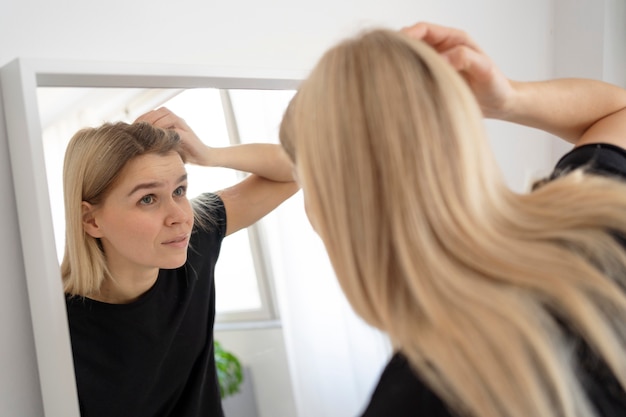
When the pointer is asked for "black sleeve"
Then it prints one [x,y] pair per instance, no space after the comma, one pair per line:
[401,393]
[210,214]
[596,158]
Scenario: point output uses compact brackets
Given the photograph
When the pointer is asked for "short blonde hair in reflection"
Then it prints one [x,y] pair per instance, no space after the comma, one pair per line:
[471,281]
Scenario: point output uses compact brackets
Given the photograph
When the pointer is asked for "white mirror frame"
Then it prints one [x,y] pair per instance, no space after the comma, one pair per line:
[19,80]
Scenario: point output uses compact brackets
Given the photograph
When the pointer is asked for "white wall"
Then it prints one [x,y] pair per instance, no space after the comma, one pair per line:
[529,39]
[614,70]
[589,42]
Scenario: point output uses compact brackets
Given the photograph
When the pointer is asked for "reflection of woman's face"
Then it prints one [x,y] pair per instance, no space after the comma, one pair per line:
[145,220]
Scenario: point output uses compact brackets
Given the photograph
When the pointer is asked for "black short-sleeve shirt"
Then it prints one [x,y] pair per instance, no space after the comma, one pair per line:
[153,357]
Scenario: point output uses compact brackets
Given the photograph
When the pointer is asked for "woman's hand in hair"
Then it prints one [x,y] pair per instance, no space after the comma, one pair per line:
[577,110]
[196,151]
[492,89]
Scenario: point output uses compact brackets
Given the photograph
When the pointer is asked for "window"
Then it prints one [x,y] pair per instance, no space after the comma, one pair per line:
[220,118]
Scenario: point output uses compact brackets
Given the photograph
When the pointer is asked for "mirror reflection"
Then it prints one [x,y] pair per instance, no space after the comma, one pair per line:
[243,274]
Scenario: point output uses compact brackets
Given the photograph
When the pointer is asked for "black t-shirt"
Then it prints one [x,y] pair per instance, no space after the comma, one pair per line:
[401,393]
[153,357]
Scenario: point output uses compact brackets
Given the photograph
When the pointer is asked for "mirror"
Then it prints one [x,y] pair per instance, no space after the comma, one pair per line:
[20,83]
[318,345]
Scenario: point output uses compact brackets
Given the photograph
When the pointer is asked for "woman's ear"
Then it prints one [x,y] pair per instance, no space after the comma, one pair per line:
[89,220]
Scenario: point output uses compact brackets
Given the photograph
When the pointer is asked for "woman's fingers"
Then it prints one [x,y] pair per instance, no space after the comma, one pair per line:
[474,65]
[441,38]
[163,118]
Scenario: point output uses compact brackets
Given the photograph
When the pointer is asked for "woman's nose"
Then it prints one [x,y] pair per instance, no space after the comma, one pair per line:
[178,212]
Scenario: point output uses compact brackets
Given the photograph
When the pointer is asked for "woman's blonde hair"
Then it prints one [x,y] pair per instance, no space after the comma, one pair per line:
[481,288]
[93,161]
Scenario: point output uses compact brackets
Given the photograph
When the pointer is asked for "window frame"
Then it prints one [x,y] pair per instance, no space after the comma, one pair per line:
[268,310]
[19,80]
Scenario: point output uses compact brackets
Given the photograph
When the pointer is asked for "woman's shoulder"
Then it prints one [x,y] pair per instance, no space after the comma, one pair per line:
[208,232]
[209,214]
[597,158]
[400,392]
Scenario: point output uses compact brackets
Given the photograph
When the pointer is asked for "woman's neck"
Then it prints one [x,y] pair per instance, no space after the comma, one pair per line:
[119,290]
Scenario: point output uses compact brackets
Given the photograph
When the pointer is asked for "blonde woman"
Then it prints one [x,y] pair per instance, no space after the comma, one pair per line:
[139,261]
[498,304]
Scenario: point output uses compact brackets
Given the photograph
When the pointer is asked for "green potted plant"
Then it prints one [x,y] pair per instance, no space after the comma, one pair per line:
[229,371]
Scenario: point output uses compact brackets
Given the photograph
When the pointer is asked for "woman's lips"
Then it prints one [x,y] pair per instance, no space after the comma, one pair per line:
[178,242]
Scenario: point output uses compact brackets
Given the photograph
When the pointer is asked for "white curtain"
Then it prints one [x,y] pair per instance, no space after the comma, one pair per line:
[335,358]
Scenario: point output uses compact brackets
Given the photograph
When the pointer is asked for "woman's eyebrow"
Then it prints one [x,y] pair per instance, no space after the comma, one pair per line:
[154,184]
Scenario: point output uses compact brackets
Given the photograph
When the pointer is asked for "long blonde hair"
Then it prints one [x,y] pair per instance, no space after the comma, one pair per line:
[93,161]
[477,285]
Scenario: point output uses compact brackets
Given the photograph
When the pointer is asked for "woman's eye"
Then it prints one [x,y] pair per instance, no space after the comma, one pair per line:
[180,191]
[148,199]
